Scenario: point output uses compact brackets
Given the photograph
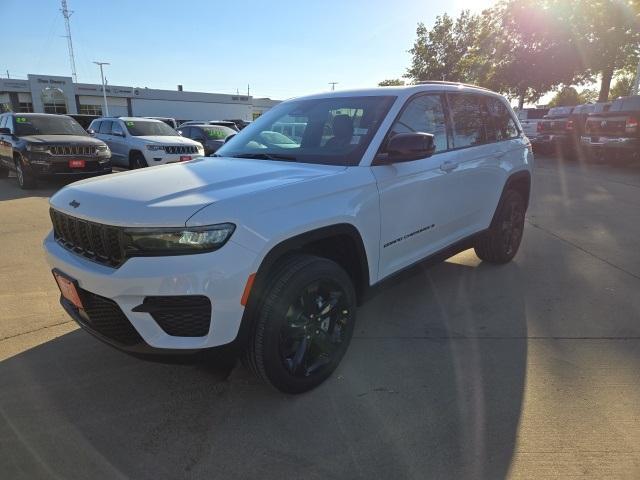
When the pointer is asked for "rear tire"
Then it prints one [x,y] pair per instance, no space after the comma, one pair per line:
[501,242]
[137,160]
[26,180]
[304,325]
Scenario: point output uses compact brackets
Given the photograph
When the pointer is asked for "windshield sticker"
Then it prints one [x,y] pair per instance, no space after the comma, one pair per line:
[130,124]
[21,120]
[355,140]
[360,131]
[216,134]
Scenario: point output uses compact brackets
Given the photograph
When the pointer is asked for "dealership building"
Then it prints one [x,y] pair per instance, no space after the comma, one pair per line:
[52,94]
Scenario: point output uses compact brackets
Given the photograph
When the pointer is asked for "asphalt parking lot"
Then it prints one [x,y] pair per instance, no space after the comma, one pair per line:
[462,370]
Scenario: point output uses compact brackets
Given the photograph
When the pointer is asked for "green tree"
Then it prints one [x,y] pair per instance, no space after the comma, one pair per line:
[392,82]
[448,50]
[608,37]
[566,97]
[622,87]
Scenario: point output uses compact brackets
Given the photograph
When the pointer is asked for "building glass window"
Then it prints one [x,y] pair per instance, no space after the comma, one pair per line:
[25,107]
[5,107]
[55,108]
[91,110]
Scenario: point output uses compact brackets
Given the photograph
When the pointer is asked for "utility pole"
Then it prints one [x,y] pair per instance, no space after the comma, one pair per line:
[66,14]
[333,85]
[248,91]
[8,74]
[104,90]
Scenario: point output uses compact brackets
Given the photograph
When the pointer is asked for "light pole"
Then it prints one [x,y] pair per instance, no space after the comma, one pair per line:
[104,90]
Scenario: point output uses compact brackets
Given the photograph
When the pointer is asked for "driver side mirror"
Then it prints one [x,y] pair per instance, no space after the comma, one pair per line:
[91,131]
[405,147]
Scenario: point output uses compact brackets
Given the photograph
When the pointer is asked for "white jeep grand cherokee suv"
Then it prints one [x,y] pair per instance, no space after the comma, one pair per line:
[269,248]
[143,142]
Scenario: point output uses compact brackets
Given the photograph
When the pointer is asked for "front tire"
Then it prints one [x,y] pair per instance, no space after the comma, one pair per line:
[137,160]
[501,242]
[304,325]
[26,180]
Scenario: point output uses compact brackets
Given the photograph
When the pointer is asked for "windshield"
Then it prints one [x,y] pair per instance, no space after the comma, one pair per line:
[626,104]
[218,132]
[332,131]
[47,125]
[142,128]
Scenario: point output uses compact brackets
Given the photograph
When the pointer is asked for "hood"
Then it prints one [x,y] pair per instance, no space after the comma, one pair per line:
[165,140]
[167,195]
[62,139]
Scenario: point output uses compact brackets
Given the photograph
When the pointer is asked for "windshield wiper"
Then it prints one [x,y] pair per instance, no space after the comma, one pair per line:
[266,156]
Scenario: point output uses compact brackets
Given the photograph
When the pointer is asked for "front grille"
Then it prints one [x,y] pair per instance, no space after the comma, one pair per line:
[100,243]
[179,316]
[104,316]
[180,149]
[76,150]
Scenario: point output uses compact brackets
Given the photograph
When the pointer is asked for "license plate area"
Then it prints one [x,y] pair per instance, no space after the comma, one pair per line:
[77,163]
[68,288]
[185,158]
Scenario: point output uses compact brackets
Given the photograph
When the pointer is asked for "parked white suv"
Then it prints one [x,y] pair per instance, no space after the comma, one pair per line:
[270,249]
[143,142]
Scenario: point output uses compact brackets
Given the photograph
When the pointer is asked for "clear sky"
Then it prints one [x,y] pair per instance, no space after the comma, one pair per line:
[282,48]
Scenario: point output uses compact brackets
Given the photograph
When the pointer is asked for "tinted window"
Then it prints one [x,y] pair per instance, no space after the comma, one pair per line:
[105,127]
[501,125]
[95,126]
[215,132]
[3,121]
[626,104]
[467,118]
[331,131]
[560,111]
[47,125]
[187,132]
[141,128]
[424,114]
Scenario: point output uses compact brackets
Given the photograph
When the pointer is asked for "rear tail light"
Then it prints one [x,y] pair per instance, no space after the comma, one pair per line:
[631,126]
[539,127]
[569,125]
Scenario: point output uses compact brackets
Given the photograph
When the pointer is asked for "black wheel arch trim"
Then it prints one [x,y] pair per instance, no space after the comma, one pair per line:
[516,180]
[292,245]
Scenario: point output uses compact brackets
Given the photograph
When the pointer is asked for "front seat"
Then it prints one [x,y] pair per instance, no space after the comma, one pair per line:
[342,132]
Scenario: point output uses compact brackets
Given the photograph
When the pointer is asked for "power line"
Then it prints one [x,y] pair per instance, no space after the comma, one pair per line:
[66,14]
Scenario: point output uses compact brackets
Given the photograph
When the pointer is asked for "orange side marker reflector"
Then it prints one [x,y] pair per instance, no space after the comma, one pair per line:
[247,290]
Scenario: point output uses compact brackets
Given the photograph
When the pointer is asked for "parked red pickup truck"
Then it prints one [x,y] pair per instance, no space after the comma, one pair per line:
[615,131]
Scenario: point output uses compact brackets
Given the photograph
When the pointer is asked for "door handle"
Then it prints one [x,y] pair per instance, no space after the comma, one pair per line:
[448,166]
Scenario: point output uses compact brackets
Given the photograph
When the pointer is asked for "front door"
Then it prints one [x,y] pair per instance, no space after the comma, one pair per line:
[415,213]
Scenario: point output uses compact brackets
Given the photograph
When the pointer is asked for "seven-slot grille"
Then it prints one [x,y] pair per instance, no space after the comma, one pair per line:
[100,243]
[83,150]
[180,149]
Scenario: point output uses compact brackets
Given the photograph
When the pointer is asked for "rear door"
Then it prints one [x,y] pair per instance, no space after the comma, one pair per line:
[5,146]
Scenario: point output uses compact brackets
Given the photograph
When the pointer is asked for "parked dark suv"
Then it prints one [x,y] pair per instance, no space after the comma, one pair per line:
[39,145]
[212,137]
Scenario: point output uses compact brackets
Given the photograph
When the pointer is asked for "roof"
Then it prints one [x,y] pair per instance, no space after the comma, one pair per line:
[402,91]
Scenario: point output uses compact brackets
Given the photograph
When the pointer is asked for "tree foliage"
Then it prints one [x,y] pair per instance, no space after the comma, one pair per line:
[569,96]
[622,87]
[391,82]
[525,48]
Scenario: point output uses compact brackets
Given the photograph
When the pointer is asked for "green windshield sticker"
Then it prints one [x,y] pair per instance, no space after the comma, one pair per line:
[129,124]
[216,134]
[21,120]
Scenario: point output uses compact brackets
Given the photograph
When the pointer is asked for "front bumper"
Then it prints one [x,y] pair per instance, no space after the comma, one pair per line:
[545,139]
[159,157]
[220,276]
[48,166]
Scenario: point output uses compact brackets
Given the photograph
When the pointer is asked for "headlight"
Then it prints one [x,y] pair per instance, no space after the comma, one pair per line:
[154,148]
[102,148]
[176,241]
[37,148]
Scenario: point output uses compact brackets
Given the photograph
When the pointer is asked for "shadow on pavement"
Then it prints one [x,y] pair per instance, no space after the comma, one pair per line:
[9,189]
[431,387]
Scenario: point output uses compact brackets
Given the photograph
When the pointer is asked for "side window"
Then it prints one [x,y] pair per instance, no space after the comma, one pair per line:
[187,132]
[105,127]
[501,122]
[9,124]
[3,121]
[467,118]
[95,125]
[424,114]
[116,128]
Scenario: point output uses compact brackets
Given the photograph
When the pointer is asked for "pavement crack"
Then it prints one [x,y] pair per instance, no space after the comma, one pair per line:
[2,339]
[575,245]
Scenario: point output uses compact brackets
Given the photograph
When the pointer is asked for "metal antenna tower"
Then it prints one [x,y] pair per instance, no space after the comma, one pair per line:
[66,14]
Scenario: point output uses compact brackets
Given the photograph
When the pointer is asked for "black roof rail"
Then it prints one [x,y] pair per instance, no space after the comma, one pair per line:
[457,84]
